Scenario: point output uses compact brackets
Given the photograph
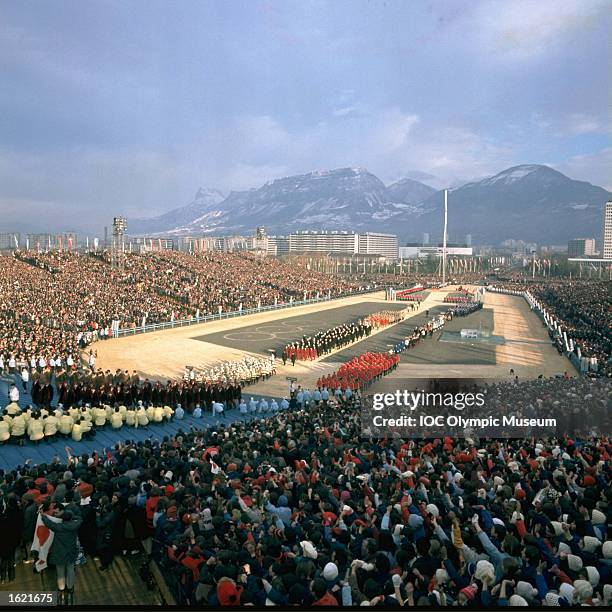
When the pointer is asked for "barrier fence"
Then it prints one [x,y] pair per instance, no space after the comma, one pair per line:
[129,331]
[569,348]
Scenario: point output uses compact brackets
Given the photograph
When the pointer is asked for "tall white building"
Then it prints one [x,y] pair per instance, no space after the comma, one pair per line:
[372,243]
[350,243]
[323,242]
[278,245]
[607,231]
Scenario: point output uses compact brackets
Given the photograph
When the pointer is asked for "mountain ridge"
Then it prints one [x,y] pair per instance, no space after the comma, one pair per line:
[528,201]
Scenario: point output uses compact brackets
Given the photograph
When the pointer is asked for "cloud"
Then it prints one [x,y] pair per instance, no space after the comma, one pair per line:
[527,29]
[344,111]
[392,129]
[593,167]
[572,124]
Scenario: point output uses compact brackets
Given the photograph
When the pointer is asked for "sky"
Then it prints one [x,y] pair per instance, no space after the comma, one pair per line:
[127,107]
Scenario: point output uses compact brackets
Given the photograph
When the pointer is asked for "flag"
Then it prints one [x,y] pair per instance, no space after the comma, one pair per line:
[43,538]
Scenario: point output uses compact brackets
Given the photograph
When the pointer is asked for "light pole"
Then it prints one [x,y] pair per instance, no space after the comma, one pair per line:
[119,227]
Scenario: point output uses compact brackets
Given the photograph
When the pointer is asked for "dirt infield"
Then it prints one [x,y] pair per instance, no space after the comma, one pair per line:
[165,353]
[527,348]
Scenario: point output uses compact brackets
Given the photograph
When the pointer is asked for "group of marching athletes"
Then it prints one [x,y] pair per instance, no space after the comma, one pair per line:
[324,342]
[427,329]
[465,309]
[360,372]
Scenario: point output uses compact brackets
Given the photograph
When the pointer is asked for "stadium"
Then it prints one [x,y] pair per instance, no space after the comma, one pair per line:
[170,447]
[305,304]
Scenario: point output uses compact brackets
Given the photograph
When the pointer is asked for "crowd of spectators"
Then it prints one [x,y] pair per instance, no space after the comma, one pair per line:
[583,308]
[54,304]
[301,509]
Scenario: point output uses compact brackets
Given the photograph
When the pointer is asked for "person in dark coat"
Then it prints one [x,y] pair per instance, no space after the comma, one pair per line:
[64,552]
[87,510]
[30,512]
[106,517]
[131,527]
[11,527]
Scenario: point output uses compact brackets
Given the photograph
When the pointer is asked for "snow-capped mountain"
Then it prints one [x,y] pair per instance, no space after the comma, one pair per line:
[341,199]
[204,200]
[529,202]
[409,191]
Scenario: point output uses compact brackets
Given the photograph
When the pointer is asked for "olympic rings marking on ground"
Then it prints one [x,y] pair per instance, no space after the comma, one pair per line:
[252,336]
[268,332]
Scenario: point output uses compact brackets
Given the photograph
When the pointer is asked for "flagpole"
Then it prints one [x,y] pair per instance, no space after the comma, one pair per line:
[444,236]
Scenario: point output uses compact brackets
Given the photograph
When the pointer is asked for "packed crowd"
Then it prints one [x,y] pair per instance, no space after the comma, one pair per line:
[584,310]
[301,509]
[53,304]
[229,279]
[360,372]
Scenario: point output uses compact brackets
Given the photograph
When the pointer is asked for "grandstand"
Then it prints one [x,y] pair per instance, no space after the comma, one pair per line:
[172,438]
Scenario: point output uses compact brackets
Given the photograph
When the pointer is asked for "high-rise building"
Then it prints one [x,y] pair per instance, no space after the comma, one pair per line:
[323,242]
[607,231]
[278,245]
[468,240]
[368,243]
[581,247]
[425,239]
[372,243]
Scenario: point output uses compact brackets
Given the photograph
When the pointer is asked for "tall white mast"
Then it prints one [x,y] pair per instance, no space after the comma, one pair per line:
[444,236]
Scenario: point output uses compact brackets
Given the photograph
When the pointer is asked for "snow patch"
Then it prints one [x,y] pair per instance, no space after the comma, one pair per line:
[512,175]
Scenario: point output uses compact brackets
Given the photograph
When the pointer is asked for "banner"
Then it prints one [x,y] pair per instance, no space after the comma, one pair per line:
[43,538]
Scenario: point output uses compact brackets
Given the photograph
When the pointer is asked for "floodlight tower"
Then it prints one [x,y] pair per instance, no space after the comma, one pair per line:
[117,247]
[444,236]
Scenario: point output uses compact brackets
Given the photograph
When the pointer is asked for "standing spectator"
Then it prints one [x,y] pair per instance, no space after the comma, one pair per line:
[64,552]
[25,378]
[14,393]
[11,526]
